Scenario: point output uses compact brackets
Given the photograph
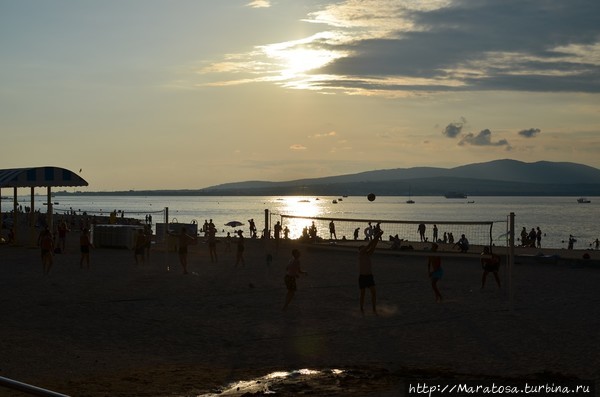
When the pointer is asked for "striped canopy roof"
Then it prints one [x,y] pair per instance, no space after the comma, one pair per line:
[39,177]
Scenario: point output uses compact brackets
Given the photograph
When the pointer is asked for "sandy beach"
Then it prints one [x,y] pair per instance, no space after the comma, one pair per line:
[119,329]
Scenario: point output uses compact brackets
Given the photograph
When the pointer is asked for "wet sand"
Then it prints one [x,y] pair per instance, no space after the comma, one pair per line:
[119,329]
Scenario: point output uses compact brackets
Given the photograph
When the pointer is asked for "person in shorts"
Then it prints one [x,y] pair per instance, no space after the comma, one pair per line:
[293,271]
[365,273]
[184,240]
[490,263]
[46,242]
[140,246]
[435,270]
[84,247]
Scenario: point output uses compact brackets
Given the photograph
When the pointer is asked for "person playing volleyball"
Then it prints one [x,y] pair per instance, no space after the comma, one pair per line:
[434,268]
[365,277]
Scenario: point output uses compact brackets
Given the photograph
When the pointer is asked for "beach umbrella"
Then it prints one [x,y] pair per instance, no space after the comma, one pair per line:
[234,224]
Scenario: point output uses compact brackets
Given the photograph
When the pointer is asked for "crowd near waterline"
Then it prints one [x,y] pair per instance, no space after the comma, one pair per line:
[52,242]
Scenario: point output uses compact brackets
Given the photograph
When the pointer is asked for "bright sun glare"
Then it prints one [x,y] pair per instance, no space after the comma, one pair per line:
[295,58]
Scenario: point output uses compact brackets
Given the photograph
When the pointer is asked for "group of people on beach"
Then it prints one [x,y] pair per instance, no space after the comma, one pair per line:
[49,246]
[490,263]
[533,238]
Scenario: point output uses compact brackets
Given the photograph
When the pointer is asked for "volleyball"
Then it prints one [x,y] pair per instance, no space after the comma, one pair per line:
[371,197]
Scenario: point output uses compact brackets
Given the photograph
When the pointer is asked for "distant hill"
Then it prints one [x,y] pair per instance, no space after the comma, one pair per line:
[497,178]
[494,178]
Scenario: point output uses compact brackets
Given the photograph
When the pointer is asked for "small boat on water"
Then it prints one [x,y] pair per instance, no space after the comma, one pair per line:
[583,200]
[410,200]
[455,195]
[334,202]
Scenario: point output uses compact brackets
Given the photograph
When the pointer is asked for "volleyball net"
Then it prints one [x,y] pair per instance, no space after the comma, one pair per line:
[406,232]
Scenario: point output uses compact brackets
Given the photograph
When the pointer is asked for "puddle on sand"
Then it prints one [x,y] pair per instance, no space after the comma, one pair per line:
[307,381]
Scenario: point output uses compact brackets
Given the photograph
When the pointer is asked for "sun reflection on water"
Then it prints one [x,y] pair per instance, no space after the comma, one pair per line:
[299,206]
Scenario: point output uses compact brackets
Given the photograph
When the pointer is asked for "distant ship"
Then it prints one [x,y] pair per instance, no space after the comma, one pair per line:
[410,200]
[583,200]
[455,195]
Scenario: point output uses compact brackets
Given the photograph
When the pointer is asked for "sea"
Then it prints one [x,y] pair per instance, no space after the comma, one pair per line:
[557,217]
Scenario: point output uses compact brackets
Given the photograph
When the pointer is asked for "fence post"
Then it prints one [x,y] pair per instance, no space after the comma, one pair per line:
[511,258]
[267,231]
[165,238]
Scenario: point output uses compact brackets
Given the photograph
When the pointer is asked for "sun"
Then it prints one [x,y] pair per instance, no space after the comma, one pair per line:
[301,60]
[295,59]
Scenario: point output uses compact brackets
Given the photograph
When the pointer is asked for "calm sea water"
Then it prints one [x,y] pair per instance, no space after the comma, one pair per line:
[558,217]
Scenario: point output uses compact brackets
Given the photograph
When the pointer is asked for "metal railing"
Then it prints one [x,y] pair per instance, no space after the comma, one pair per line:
[29,389]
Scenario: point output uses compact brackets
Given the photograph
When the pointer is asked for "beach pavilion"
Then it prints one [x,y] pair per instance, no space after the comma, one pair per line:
[33,177]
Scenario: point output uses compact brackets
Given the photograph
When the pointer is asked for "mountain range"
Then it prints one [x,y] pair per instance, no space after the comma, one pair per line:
[494,178]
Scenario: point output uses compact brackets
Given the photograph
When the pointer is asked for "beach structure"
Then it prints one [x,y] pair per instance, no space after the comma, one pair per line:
[31,178]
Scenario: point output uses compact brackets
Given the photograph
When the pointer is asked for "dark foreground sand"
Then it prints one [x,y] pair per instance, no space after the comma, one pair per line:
[125,330]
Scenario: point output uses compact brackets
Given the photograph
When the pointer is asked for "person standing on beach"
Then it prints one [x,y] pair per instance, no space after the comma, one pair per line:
[184,241]
[490,262]
[239,255]
[293,271]
[421,229]
[435,271]
[62,235]
[572,241]
[47,250]
[148,237]
[538,237]
[140,246]
[252,228]
[228,242]
[84,247]
[332,234]
[277,233]
[365,273]
[212,243]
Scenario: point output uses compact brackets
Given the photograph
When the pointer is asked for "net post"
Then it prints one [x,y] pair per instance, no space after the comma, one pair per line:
[511,257]
[267,232]
[165,237]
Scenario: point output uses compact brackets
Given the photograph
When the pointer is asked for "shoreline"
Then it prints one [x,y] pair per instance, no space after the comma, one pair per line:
[125,330]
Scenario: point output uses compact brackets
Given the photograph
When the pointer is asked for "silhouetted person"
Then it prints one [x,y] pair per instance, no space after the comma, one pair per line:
[490,262]
[365,276]
[435,271]
[292,272]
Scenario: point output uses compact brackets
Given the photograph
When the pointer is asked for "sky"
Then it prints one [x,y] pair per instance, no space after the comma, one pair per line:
[187,94]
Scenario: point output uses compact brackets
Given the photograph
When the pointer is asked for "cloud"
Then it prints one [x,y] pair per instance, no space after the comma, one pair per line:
[259,4]
[297,146]
[530,133]
[454,129]
[484,138]
[387,47]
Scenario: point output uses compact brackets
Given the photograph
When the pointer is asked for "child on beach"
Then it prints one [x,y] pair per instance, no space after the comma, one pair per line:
[365,273]
[435,271]
[293,271]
